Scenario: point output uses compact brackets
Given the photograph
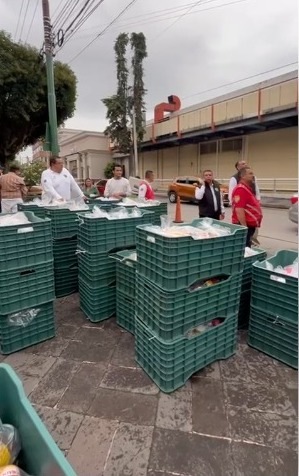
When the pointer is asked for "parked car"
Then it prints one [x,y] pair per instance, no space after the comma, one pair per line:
[101,184]
[184,187]
[293,210]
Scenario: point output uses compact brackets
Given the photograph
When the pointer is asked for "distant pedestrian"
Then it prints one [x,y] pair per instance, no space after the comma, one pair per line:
[209,197]
[145,188]
[117,187]
[246,208]
[13,189]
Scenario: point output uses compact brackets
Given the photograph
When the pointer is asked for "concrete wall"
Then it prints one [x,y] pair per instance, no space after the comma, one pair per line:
[272,154]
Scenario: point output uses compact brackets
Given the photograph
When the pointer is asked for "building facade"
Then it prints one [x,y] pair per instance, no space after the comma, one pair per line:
[258,124]
[86,153]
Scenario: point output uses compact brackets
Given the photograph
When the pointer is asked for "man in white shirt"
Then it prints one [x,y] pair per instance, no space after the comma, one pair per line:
[209,197]
[58,184]
[117,186]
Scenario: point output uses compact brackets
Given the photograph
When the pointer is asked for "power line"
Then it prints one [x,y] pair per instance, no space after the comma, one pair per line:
[64,13]
[34,13]
[240,80]
[80,23]
[19,18]
[28,1]
[104,30]
[178,19]
[148,22]
[78,15]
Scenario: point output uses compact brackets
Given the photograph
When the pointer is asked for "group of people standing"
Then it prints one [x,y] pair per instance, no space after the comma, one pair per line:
[59,185]
[244,196]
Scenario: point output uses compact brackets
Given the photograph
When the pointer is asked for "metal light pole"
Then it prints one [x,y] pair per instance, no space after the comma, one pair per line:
[53,135]
[135,143]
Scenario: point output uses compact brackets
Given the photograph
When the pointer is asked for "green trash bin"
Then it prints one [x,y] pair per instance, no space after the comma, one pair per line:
[39,456]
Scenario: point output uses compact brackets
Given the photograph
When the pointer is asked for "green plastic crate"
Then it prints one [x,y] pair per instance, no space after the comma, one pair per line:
[99,235]
[38,211]
[64,222]
[158,210]
[125,312]
[15,337]
[125,272]
[171,364]
[175,263]
[247,271]
[171,314]
[244,310]
[107,205]
[26,249]
[275,293]
[66,281]
[97,303]
[97,269]
[39,454]
[26,287]
[65,253]
[274,335]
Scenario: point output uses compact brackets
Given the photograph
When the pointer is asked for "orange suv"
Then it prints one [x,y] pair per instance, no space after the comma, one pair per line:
[185,188]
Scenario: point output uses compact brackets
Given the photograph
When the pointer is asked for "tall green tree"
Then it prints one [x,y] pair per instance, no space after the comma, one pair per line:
[23,96]
[128,97]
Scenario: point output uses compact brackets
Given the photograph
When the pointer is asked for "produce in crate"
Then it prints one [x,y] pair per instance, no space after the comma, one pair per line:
[9,444]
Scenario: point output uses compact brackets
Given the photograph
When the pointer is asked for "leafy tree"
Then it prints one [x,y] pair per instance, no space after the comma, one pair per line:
[108,171]
[120,106]
[23,96]
[32,173]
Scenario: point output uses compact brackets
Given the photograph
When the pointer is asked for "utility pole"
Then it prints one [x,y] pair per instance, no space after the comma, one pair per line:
[52,127]
[135,143]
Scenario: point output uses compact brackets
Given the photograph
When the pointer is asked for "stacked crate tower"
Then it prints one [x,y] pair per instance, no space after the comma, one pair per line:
[98,239]
[180,329]
[273,323]
[64,230]
[26,284]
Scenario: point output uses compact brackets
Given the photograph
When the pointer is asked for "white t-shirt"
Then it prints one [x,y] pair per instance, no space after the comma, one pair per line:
[59,185]
[121,185]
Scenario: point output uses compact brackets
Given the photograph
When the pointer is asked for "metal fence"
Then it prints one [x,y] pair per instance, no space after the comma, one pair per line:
[270,185]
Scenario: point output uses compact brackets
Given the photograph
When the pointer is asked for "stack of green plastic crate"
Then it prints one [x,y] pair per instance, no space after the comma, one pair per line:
[64,224]
[125,288]
[273,324]
[26,284]
[31,207]
[98,238]
[173,336]
[244,309]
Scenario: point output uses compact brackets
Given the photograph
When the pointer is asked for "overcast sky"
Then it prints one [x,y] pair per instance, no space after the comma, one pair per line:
[191,48]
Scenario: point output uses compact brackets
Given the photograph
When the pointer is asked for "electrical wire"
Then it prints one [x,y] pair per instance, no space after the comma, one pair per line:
[19,18]
[63,15]
[78,15]
[178,19]
[34,13]
[28,1]
[129,5]
[241,80]
[80,23]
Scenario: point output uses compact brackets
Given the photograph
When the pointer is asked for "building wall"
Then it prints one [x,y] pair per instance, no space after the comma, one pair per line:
[272,154]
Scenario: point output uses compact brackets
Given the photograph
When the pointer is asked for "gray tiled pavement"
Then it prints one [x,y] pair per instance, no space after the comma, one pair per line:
[235,418]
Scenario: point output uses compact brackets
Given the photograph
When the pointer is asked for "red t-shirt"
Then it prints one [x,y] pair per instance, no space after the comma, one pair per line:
[242,197]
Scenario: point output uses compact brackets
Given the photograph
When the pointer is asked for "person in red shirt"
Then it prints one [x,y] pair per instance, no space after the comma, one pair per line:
[145,188]
[246,208]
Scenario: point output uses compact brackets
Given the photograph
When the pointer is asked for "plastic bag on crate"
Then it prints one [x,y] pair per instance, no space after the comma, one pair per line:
[22,318]
[9,444]
[12,470]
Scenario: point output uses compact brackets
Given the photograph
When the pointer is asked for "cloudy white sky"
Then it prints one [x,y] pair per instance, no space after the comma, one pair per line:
[192,46]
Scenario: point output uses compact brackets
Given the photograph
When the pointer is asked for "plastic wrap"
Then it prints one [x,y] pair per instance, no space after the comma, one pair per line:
[114,214]
[289,270]
[22,318]
[197,233]
[9,444]
[14,219]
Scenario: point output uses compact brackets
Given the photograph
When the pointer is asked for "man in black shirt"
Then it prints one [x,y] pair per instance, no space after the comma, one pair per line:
[209,197]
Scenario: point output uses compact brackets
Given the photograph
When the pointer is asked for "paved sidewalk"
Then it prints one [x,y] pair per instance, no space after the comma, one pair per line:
[235,418]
